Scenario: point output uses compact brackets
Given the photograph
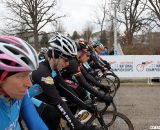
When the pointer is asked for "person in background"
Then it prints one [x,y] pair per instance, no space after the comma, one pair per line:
[42,54]
[104,51]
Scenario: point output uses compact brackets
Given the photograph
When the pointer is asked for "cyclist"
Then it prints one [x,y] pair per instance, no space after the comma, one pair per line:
[83,58]
[95,61]
[17,60]
[42,54]
[72,68]
[48,77]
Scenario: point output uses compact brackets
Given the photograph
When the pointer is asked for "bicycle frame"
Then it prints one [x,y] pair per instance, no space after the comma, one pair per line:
[80,103]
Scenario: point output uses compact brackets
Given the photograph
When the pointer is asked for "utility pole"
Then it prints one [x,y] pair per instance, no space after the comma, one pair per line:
[115,5]
[115,29]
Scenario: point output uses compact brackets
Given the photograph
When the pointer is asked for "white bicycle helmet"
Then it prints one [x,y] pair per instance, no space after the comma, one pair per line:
[63,44]
[16,55]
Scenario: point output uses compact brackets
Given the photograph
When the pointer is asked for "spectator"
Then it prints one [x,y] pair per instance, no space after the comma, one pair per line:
[104,51]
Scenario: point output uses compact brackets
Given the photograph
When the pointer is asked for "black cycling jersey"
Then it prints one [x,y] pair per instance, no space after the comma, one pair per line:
[50,94]
[94,61]
[97,62]
[74,70]
[71,71]
[91,79]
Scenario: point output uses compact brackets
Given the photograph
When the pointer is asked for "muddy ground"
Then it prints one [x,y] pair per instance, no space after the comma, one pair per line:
[141,103]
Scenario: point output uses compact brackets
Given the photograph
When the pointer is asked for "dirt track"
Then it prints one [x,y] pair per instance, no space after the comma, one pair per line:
[141,103]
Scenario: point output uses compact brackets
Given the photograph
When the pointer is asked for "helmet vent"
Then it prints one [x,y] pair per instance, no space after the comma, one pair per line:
[67,44]
[25,60]
[12,50]
[57,42]
[65,49]
[8,62]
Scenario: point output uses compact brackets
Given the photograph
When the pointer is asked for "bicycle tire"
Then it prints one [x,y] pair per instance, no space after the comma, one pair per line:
[111,84]
[114,78]
[112,125]
[94,120]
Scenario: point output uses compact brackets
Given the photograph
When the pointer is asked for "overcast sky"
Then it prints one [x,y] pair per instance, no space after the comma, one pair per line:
[79,13]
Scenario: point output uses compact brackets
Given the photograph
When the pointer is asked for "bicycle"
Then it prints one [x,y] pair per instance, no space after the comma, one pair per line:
[120,122]
[105,118]
[110,75]
[113,119]
[108,78]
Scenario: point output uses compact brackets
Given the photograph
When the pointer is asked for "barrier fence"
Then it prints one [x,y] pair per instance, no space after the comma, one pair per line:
[134,65]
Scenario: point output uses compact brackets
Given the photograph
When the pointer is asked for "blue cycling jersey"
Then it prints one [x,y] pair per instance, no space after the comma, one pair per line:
[10,110]
[9,113]
[30,115]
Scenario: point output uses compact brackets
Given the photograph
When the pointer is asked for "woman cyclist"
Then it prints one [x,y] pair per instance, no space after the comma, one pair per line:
[17,60]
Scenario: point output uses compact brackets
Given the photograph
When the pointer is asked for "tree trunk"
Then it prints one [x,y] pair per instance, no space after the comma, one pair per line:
[129,38]
[36,40]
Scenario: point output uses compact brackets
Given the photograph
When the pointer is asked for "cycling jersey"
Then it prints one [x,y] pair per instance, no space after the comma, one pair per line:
[50,95]
[70,72]
[10,110]
[97,62]
[9,113]
[91,79]
[73,69]
[30,115]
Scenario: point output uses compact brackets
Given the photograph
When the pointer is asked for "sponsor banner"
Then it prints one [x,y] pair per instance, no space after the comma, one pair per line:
[134,65]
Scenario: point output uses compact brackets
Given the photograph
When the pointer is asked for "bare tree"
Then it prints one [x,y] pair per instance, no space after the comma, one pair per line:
[44,40]
[75,35]
[35,14]
[102,17]
[135,19]
[59,27]
[12,28]
[111,34]
[87,32]
[155,10]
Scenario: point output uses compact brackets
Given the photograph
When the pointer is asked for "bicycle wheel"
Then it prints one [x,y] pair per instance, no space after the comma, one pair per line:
[121,122]
[108,77]
[106,122]
[110,83]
